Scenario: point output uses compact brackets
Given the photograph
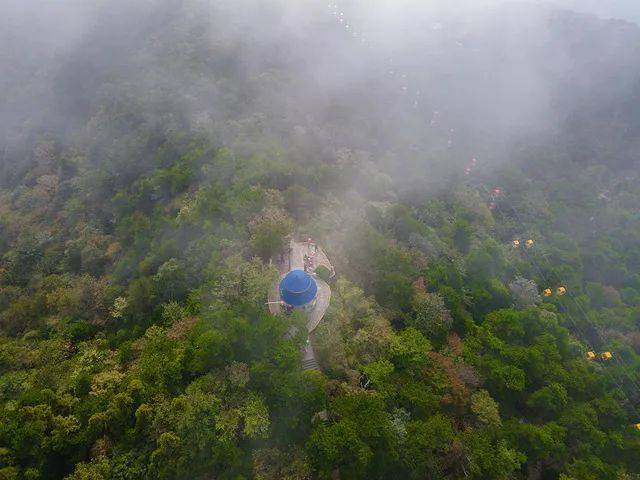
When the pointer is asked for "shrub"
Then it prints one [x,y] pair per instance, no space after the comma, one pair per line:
[323,273]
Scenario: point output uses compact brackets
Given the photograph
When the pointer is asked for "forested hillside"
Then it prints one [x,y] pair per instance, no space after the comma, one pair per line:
[155,161]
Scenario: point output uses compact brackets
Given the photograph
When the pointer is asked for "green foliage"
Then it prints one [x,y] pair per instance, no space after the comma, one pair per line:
[323,273]
[269,233]
[430,316]
[462,236]
[359,441]
[485,408]
[549,400]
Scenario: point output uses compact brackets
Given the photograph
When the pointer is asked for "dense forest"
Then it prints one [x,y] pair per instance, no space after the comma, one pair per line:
[155,162]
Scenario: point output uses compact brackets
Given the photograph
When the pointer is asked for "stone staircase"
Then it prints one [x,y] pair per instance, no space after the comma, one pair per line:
[310,364]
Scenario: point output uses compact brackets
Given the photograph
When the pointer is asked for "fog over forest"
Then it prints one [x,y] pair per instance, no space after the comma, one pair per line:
[490,74]
[340,239]
[622,9]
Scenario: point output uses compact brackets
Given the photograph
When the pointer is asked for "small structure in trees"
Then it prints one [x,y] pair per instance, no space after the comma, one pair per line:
[298,290]
[303,291]
[604,356]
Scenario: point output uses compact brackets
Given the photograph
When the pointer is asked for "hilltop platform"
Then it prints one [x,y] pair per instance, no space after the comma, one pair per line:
[295,261]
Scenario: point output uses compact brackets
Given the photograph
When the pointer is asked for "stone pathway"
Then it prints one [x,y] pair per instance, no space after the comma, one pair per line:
[297,250]
[309,361]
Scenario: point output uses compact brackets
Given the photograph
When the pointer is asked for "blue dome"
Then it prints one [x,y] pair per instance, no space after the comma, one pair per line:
[298,288]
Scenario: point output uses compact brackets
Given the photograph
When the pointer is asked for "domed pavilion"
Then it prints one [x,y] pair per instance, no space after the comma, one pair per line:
[298,290]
